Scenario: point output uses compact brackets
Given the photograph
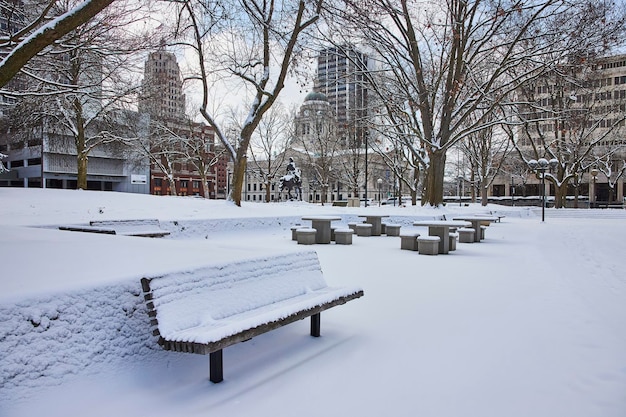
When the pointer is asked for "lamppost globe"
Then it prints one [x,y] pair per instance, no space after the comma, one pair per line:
[533,164]
[543,163]
[553,163]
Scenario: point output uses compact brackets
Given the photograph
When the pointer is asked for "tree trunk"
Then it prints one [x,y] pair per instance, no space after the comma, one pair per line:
[560,194]
[435,177]
[172,182]
[80,141]
[81,175]
[268,191]
[484,195]
[239,173]
[206,190]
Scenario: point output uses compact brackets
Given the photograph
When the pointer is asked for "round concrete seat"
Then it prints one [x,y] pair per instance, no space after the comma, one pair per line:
[343,236]
[306,236]
[466,235]
[452,242]
[428,245]
[363,229]
[392,229]
[293,231]
[408,241]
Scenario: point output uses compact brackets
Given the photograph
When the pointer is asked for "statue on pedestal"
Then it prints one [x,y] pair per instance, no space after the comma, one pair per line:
[292,180]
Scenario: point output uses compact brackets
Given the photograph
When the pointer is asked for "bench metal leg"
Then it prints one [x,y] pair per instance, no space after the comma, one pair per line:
[315,325]
[216,370]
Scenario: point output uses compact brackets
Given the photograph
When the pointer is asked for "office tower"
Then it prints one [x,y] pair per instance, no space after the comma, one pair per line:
[341,77]
[162,90]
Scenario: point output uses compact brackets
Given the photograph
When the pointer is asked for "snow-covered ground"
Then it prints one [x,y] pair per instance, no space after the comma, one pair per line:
[529,322]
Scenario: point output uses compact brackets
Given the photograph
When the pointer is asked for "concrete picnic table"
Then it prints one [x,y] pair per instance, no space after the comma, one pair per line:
[376,221]
[441,228]
[476,220]
[322,225]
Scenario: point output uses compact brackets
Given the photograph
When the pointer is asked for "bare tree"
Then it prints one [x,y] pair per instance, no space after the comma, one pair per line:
[84,80]
[30,36]
[269,144]
[454,58]
[199,149]
[486,150]
[164,149]
[613,170]
[398,147]
[249,42]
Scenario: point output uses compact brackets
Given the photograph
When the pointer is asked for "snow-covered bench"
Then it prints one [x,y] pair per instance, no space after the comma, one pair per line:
[141,227]
[209,309]
[138,227]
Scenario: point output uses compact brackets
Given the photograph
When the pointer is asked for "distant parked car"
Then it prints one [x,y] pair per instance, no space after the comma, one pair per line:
[369,202]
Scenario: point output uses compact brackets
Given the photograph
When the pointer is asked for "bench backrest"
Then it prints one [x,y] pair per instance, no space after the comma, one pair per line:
[185,300]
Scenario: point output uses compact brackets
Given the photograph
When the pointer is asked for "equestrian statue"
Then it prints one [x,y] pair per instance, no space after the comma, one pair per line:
[292,181]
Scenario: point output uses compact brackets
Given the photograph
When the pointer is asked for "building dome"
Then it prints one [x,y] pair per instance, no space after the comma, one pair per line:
[315,96]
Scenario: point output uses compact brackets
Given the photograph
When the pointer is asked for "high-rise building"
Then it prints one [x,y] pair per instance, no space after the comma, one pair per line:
[162,90]
[341,77]
[163,99]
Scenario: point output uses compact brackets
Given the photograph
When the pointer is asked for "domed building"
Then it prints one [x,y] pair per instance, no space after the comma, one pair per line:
[315,121]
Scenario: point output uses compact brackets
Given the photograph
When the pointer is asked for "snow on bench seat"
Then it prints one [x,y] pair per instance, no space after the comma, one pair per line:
[139,228]
[133,227]
[206,310]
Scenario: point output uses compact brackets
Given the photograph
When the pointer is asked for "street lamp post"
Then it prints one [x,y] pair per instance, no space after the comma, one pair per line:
[459,187]
[594,174]
[380,182]
[512,192]
[541,165]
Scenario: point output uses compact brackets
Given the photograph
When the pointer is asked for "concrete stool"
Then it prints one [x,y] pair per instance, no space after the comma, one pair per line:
[408,241]
[383,228]
[452,241]
[293,231]
[363,229]
[352,225]
[306,236]
[392,230]
[466,235]
[482,232]
[428,245]
[343,236]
